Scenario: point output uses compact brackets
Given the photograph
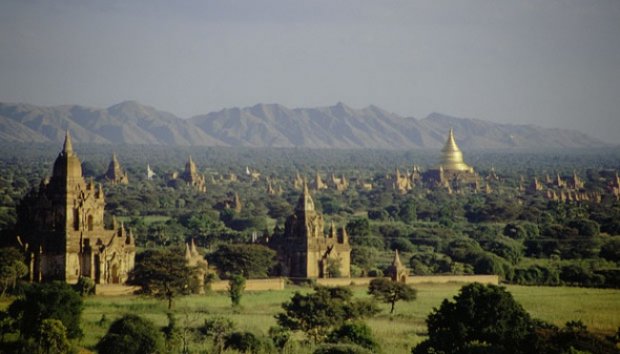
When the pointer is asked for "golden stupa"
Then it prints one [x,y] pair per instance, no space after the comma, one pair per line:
[452,157]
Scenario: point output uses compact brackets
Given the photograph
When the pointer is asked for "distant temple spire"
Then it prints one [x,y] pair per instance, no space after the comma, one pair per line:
[451,155]
[67,147]
[305,200]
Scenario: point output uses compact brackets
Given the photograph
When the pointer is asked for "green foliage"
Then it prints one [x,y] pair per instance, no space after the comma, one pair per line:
[85,286]
[537,274]
[317,313]
[12,268]
[611,250]
[580,274]
[172,334]
[248,342]
[131,334]
[364,257]
[217,328]
[330,348]
[423,263]
[162,273]
[48,301]
[249,260]
[479,317]
[354,333]
[280,336]
[358,228]
[390,292]
[236,286]
[52,337]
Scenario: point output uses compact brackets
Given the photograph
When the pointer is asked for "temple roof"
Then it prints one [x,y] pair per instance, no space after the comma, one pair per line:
[67,147]
[67,164]
[396,262]
[451,155]
[305,202]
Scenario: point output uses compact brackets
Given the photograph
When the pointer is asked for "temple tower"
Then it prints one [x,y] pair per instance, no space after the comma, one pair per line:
[397,271]
[115,172]
[305,251]
[61,228]
[452,157]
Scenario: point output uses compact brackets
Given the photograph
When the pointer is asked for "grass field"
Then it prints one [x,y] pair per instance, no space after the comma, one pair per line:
[599,309]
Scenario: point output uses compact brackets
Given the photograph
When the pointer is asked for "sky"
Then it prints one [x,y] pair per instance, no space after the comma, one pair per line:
[551,63]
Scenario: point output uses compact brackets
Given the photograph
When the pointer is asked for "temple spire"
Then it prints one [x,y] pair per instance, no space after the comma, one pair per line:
[451,143]
[396,262]
[452,157]
[305,200]
[67,147]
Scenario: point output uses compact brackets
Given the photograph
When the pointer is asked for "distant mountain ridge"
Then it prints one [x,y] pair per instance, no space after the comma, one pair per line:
[273,125]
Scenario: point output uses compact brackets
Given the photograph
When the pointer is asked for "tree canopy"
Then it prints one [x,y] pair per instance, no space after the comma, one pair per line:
[55,300]
[131,334]
[480,316]
[319,312]
[162,273]
[390,292]
[249,260]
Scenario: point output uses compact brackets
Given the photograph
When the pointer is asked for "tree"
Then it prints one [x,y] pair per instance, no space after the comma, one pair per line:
[364,257]
[42,301]
[481,317]
[317,313]
[247,342]
[390,292]
[12,268]
[131,334]
[356,333]
[339,348]
[52,337]
[251,261]
[236,285]
[162,273]
[217,328]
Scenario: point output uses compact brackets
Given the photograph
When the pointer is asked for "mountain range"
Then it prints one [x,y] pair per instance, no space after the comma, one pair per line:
[273,125]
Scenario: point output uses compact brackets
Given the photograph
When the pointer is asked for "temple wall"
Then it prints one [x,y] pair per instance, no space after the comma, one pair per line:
[415,279]
[253,284]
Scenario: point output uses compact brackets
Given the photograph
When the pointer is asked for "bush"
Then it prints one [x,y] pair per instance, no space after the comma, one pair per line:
[316,314]
[42,301]
[236,285]
[479,316]
[247,342]
[341,349]
[354,333]
[52,337]
[131,334]
[251,261]
[85,286]
[536,275]
[217,329]
[488,263]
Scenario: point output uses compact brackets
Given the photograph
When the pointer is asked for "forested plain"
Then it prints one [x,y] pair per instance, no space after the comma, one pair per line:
[523,237]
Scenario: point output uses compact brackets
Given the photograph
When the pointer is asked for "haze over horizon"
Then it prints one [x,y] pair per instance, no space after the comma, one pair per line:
[554,64]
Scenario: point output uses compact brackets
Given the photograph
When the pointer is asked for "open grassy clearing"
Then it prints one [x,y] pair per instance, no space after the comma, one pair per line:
[599,309]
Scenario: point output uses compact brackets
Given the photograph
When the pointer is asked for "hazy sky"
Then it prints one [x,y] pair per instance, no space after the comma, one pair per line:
[552,63]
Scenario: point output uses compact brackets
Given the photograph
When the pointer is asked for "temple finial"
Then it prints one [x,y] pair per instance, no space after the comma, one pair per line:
[396,262]
[68,145]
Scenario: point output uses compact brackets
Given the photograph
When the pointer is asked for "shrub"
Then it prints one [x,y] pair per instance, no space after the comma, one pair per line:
[341,349]
[217,328]
[354,333]
[247,342]
[479,316]
[52,337]
[42,301]
[131,334]
[236,285]
[85,286]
